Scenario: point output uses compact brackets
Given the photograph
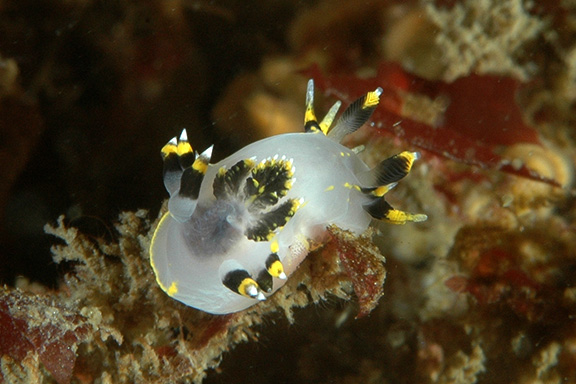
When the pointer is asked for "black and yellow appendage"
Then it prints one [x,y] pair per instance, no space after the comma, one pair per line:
[356,115]
[242,283]
[394,168]
[266,226]
[310,121]
[184,169]
[386,175]
[193,175]
[269,181]
[179,147]
[260,186]
[274,268]
[177,155]
[228,182]
[273,265]
[380,209]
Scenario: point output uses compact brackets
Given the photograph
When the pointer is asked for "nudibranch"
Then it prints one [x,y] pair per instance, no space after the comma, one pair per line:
[236,230]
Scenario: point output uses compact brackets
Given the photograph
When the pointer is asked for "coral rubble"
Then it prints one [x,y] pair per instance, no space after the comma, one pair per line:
[110,322]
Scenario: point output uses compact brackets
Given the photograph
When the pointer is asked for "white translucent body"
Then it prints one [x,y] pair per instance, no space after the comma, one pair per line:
[325,172]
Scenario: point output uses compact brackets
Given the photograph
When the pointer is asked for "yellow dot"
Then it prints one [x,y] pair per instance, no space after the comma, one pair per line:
[274,247]
[173,289]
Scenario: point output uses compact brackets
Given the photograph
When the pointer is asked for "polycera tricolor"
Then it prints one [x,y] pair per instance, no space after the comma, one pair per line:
[236,230]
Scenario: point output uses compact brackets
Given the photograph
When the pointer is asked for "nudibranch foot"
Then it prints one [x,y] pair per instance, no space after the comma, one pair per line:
[237,229]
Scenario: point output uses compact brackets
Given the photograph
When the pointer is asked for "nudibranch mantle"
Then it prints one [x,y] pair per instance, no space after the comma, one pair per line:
[235,230]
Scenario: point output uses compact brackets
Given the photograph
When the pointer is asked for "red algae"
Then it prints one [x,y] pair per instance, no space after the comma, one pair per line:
[525,273]
[111,313]
[474,117]
[363,264]
[39,329]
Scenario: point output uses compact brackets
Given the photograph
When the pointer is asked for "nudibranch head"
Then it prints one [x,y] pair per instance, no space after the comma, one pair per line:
[236,230]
